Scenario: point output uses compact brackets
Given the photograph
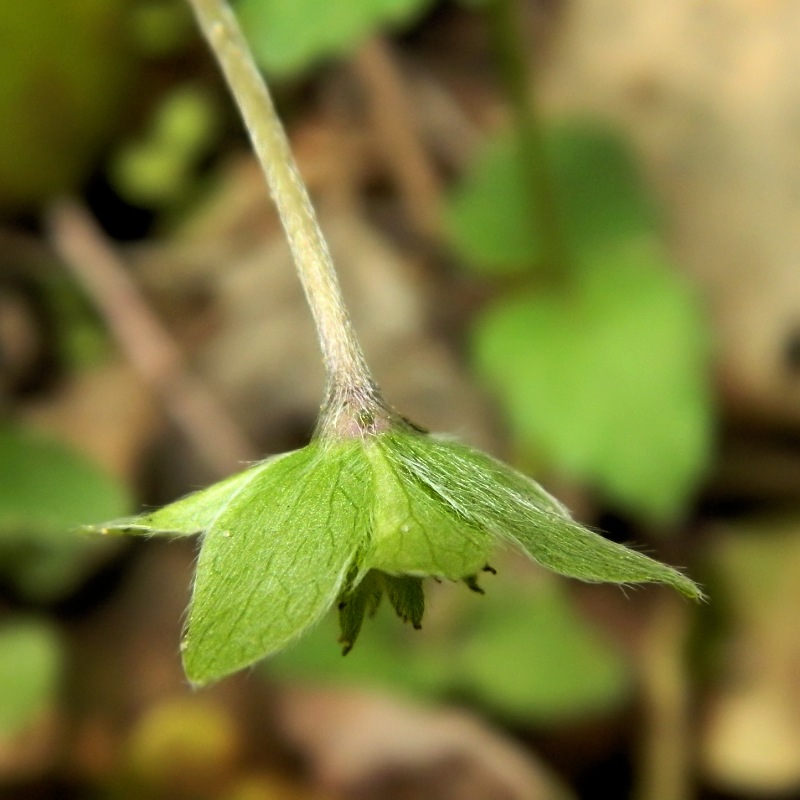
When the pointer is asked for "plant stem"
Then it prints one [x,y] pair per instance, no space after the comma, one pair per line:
[350,387]
[505,20]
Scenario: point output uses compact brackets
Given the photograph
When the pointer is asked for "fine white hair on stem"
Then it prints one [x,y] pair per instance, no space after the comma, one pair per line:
[350,384]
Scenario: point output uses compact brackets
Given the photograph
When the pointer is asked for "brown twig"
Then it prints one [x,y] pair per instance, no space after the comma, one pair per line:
[148,345]
[454,138]
[393,119]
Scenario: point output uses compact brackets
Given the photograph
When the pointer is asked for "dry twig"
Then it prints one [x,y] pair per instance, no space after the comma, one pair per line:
[393,119]
[148,345]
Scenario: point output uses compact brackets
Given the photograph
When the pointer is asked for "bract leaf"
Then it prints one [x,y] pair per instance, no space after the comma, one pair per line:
[361,601]
[188,516]
[276,557]
[608,383]
[492,496]
[413,532]
[405,595]
[407,598]
[453,472]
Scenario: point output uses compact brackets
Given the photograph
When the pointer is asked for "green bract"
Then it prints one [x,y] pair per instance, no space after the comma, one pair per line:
[345,521]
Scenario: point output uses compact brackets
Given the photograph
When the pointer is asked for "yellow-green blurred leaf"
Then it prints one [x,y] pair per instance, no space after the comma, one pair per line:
[29,666]
[157,168]
[65,65]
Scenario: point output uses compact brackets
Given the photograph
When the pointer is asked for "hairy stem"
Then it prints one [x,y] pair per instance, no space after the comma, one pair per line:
[505,20]
[350,385]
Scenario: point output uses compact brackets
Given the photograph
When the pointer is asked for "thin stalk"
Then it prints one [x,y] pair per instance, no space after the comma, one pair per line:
[505,21]
[665,746]
[353,402]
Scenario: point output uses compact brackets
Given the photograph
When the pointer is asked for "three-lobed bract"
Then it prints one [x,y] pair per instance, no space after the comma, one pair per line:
[346,521]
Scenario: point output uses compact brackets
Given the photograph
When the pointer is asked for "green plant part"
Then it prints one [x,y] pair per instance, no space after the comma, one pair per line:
[565,668]
[373,505]
[496,224]
[30,661]
[608,381]
[38,557]
[288,36]
[155,169]
[65,67]
[347,520]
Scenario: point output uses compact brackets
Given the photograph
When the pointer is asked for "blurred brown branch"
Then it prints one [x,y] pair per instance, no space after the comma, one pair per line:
[394,121]
[148,345]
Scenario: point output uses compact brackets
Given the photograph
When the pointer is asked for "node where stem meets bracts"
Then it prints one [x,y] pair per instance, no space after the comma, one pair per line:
[353,405]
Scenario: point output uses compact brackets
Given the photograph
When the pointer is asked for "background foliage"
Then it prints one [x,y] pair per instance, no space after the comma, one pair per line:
[645,369]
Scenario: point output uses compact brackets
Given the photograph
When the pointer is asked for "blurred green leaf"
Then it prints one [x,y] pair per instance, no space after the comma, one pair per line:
[530,656]
[288,36]
[49,485]
[29,667]
[157,168]
[492,214]
[161,27]
[521,651]
[608,382]
[389,655]
[48,489]
[64,65]
[83,339]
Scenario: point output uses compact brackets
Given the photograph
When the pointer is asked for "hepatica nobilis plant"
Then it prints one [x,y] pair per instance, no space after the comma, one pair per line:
[373,505]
